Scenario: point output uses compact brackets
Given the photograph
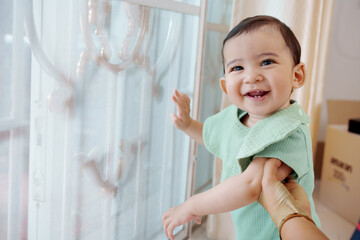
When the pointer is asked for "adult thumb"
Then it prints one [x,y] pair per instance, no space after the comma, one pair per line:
[270,170]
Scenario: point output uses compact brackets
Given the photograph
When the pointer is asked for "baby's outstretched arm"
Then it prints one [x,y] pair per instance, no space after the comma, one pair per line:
[182,119]
[235,192]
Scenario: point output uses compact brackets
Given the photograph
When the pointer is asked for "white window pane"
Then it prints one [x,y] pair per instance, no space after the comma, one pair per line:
[192,2]
[219,11]
[210,104]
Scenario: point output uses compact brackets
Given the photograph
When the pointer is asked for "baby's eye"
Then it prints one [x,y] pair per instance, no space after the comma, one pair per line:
[237,68]
[267,62]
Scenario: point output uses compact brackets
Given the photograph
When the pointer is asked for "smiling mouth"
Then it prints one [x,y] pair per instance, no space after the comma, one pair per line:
[257,94]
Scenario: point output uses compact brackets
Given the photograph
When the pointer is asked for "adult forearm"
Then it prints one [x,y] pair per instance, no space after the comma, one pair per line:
[301,228]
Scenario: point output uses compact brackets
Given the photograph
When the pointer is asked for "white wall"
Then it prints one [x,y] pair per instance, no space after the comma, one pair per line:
[342,79]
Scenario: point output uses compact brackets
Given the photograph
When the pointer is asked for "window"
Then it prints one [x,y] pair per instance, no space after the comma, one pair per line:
[217,27]
[94,143]
[14,121]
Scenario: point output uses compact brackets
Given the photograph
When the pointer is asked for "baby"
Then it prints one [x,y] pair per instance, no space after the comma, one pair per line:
[261,60]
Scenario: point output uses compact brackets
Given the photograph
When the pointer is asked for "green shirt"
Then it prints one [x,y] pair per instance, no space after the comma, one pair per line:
[283,135]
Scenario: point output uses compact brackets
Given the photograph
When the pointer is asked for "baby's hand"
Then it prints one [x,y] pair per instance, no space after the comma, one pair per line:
[175,217]
[182,120]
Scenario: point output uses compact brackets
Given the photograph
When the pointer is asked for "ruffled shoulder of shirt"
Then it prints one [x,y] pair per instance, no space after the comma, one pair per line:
[273,129]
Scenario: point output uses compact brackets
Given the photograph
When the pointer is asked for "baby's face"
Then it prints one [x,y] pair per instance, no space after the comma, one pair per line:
[259,72]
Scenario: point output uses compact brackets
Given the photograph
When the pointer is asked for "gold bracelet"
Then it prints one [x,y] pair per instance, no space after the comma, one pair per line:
[293,215]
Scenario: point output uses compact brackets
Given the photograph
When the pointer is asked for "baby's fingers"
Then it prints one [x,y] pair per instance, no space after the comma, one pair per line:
[168,225]
[170,230]
[165,221]
[181,98]
[197,219]
[181,107]
[176,120]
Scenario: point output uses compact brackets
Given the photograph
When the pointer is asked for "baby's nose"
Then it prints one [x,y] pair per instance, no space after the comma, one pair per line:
[253,76]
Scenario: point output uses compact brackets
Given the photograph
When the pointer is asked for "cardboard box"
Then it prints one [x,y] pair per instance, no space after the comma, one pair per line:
[340,177]
[340,111]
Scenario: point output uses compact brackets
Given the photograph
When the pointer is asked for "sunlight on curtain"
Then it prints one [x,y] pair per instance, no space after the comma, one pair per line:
[311,22]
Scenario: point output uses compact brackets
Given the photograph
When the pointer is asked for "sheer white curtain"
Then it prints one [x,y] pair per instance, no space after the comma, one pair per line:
[87,148]
[14,121]
[105,160]
[109,161]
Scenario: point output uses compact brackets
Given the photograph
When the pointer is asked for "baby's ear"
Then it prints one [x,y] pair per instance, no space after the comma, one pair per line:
[223,84]
[299,75]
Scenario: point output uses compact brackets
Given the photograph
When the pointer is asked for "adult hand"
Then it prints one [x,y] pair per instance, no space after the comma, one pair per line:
[279,199]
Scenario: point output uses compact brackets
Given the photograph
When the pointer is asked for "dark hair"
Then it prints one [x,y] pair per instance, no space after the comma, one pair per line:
[253,23]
